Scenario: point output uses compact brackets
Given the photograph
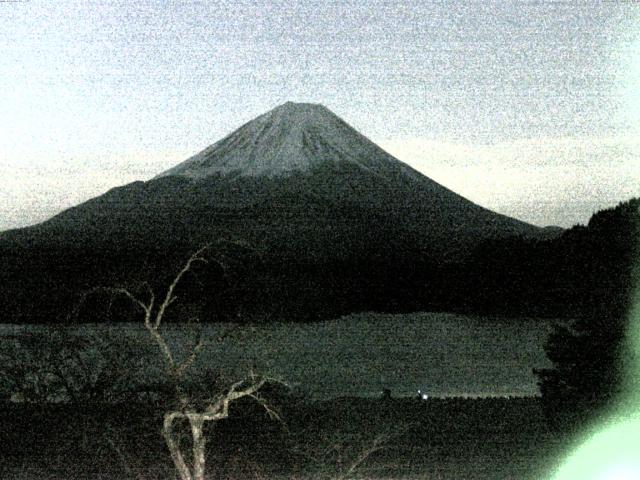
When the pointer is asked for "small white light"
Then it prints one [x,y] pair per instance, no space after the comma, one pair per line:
[425,396]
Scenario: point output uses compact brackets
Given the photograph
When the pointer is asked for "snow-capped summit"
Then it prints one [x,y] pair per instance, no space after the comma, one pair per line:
[291,137]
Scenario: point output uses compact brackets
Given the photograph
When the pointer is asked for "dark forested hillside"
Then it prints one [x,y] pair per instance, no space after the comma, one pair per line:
[566,276]
[281,275]
[591,356]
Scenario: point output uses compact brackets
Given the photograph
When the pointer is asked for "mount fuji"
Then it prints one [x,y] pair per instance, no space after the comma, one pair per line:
[340,224]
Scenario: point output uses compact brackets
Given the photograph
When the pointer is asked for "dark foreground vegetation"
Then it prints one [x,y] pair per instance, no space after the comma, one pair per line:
[383,438]
[593,356]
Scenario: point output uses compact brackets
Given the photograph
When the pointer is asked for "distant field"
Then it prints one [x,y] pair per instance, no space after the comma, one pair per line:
[442,354]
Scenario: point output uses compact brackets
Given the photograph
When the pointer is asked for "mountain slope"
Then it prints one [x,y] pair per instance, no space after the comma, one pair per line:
[341,225]
[298,160]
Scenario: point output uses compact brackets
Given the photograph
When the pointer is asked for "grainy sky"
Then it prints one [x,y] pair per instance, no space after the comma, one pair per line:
[530,108]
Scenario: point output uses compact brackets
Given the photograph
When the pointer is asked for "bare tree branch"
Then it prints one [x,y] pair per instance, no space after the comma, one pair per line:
[272,413]
[187,362]
[169,297]
[378,444]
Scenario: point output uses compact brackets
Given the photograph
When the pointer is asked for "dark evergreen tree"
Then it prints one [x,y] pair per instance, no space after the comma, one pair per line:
[589,355]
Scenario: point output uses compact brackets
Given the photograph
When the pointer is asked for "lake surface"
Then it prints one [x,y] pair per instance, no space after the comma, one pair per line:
[442,354]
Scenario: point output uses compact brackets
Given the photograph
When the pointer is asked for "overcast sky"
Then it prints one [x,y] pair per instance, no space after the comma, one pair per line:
[529,108]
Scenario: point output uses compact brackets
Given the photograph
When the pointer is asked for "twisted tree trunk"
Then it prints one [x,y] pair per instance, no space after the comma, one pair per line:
[199,441]
[174,447]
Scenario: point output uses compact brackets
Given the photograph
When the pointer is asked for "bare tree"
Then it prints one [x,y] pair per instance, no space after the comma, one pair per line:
[340,457]
[196,414]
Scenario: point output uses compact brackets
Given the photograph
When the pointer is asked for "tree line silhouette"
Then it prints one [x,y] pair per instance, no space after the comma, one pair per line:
[562,277]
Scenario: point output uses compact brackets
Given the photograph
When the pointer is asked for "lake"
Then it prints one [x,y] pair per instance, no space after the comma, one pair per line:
[441,354]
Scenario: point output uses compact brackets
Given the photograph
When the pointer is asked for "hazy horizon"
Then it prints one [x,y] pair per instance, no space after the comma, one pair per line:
[531,109]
